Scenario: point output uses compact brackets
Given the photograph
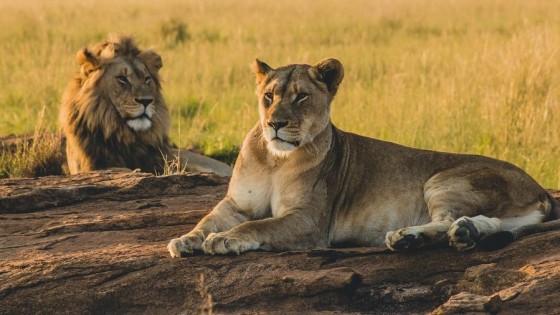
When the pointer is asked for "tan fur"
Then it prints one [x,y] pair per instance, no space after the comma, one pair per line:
[114,115]
[301,183]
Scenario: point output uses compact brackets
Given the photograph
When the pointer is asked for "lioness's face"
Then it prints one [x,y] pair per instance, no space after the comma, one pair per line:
[294,102]
[132,91]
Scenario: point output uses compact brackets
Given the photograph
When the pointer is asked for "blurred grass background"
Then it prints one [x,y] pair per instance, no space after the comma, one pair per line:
[472,76]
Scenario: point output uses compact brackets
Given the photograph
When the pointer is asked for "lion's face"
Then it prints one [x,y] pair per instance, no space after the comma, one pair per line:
[132,91]
[113,112]
[294,102]
[127,81]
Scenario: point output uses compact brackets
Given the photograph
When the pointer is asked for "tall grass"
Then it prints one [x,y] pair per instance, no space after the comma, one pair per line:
[464,76]
[37,154]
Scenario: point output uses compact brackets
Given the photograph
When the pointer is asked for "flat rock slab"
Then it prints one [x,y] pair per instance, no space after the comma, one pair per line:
[96,244]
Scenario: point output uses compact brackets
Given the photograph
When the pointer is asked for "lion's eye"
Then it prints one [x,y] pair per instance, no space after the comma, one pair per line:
[148,80]
[269,96]
[301,96]
[122,79]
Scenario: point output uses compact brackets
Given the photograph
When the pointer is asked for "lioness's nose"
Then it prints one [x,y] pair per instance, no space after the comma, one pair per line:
[277,124]
[144,101]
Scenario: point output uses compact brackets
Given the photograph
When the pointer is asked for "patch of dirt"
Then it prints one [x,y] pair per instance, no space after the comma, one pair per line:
[96,243]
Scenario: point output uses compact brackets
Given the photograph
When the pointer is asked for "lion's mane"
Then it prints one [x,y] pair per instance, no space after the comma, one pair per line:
[97,135]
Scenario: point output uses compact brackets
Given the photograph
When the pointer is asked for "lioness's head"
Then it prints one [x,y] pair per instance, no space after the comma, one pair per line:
[294,102]
[126,78]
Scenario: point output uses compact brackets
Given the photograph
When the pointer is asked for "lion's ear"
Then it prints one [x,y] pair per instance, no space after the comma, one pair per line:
[331,72]
[152,60]
[87,61]
[260,69]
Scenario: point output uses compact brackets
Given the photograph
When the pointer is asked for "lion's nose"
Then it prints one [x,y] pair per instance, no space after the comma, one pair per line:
[277,124]
[144,101]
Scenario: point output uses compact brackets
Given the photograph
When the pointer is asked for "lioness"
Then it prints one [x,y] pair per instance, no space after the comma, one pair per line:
[114,116]
[301,183]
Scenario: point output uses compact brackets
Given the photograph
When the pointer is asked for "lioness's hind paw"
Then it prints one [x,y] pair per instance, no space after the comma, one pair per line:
[463,234]
[403,239]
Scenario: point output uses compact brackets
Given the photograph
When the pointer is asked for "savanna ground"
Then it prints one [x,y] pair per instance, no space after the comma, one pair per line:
[463,76]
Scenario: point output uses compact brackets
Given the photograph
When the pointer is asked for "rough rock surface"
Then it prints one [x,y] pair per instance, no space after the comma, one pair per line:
[96,244]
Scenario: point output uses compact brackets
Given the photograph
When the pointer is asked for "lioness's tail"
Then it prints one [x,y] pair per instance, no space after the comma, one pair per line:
[503,238]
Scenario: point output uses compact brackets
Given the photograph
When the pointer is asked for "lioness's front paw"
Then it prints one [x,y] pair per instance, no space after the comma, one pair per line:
[221,243]
[183,246]
[177,248]
[406,238]
[463,234]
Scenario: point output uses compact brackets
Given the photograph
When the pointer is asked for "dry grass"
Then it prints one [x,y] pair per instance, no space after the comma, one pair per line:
[39,154]
[173,165]
[464,76]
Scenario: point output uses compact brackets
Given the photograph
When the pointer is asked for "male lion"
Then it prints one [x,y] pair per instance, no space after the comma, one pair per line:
[114,115]
[301,183]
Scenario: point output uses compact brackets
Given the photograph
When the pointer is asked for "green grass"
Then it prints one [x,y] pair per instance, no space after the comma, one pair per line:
[463,76]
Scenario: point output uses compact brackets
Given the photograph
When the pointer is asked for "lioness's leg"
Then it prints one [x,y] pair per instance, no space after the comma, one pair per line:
[466,232]
[447,198]
[222,218]
[475,195]
[432,233]
[288,232]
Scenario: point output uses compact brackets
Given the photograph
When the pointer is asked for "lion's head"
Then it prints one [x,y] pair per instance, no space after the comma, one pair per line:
[294,102]
[113,112]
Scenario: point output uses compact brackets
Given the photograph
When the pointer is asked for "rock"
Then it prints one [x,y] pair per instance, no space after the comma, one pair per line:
[96,243]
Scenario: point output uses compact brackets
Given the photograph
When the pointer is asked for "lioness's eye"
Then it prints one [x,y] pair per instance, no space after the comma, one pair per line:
[122,79]
[301,96]
[269,96]
[148,80]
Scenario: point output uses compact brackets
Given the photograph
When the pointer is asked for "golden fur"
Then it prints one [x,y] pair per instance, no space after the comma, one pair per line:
[114,115]
[301,183]
[100,104]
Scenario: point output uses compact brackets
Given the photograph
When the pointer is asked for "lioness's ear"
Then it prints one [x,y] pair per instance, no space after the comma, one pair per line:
[331,73]
[260,69]
[152,60]
[87,61]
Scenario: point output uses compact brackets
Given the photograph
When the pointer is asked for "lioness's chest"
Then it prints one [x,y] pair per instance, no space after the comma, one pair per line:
[286,193]
[270,195]
[283,196]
